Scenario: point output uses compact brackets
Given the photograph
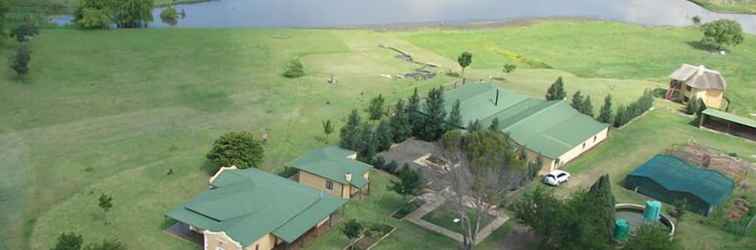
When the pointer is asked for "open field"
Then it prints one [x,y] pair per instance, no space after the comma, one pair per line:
[733,6]
[112,111]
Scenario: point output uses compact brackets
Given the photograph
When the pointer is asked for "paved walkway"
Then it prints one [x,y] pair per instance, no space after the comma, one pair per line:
[416,218]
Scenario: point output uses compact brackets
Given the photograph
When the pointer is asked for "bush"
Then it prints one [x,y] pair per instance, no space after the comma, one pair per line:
[391,167]
[20,61]
[287,172]
[241,149]
[169,15]
[635,109]
[720,33]
[509,68]
[294,69]
[379,163]
[25,31]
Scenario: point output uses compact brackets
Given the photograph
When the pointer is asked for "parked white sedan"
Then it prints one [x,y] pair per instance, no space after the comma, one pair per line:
[556,177]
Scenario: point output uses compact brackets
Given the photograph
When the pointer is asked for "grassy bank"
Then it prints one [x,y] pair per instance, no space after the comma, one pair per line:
[113,111]
[729,6]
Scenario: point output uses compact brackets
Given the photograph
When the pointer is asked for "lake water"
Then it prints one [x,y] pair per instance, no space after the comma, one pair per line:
[355,13]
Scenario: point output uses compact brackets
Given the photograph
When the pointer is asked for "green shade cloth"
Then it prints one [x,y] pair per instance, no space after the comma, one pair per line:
[551,128]
[670,179]
[247,204]
[730,117]
[333,163]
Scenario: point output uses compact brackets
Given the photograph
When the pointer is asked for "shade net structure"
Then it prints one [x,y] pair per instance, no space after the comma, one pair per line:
[671,180]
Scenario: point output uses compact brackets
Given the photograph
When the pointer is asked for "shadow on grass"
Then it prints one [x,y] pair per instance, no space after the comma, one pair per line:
[705,47]
[209,168]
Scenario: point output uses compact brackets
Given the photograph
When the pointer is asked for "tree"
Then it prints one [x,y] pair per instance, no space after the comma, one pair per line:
[401,128]
[435,115]
[294,69]
[349,132]
[696,20]
[133,13]
[651,237]
[352,229]
[605,115]
[534,167]
[509,68]
[375,109]
[577,101]
[720,33]
[494,126]
[94,14]
[25,31]
[620,117]
[367,144]
[241,149]
[106,203]
[384,137]
[20,62]
[474,125]
[169,15]
[556,90]
[413,113]
[327,128]
[564,224]
[455,117]
[408,183]
[68,241]
[4,8]
[601,193]
[692,106]
[587,107]
[106,245]
[464,60]
[485,169]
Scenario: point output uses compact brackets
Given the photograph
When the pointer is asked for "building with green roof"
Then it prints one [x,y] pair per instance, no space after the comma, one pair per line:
[254,210]
[670,179]
[551,129]
[728,123]
[333,170]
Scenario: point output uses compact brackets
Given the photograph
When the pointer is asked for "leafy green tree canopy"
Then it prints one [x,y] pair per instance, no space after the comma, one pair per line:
[69,241]
[556,90]
[375,109]
[721,33]
[241,149]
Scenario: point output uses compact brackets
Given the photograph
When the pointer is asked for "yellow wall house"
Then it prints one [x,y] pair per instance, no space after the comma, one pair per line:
[697,82]
[333,170]
[552,130]
[254,210]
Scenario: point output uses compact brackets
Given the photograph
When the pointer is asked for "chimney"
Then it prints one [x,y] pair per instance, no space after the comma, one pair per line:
[348,177]
[496,102]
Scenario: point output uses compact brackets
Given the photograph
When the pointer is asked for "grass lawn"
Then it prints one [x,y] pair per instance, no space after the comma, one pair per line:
[444,216]
[112,111]
[731,6]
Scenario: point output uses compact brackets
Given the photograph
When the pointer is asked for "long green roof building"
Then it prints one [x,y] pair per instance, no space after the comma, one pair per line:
[552,129]
[253,209]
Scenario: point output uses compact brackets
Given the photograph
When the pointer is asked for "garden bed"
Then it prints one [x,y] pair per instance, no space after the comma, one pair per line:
[407,208]
[444,217]
[372,235]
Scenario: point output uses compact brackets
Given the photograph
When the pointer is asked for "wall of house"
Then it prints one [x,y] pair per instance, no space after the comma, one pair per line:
[319,183]
[214,241]
[711,97]
[579,149]
[267,242]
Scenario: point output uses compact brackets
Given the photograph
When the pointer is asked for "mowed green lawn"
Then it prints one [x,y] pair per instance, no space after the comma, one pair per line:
[112,111]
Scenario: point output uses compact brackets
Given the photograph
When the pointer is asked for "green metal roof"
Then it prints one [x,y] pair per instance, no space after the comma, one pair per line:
[674,174]
[333,163]
[730,117]
[247,204]
[549,127]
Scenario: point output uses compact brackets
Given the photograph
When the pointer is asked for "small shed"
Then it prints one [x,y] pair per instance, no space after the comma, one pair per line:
[697,82]
[671,179]
[728,123]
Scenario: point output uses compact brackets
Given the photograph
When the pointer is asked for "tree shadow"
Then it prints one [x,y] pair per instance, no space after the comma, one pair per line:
[209,168]
[699,45]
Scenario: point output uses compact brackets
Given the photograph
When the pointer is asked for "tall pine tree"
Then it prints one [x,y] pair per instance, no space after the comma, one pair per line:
[435,115]
[605,115]
[587,107]
[367,144]
[620,117]
[455,117]
[601,193]
[473,126]
[401,129]
[384,137]
[577,101]
[349,132]
[556,90]
[494,126]
[375,109]
[413,113]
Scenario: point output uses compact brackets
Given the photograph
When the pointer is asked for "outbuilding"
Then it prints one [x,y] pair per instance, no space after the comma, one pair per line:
[689,83]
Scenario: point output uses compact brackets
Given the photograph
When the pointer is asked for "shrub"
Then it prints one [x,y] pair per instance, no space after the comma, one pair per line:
[509,68]
[241,149]
[169,15]
[294,69]
[379,163]
[391,167]
[20,62]
[25,31]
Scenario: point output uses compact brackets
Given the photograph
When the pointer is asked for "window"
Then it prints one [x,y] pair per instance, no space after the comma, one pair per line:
[329,185]
[594,138]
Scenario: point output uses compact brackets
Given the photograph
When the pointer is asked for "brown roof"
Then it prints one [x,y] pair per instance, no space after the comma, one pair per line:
[699,77]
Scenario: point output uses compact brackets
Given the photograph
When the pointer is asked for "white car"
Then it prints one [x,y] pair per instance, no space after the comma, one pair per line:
[556,177]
